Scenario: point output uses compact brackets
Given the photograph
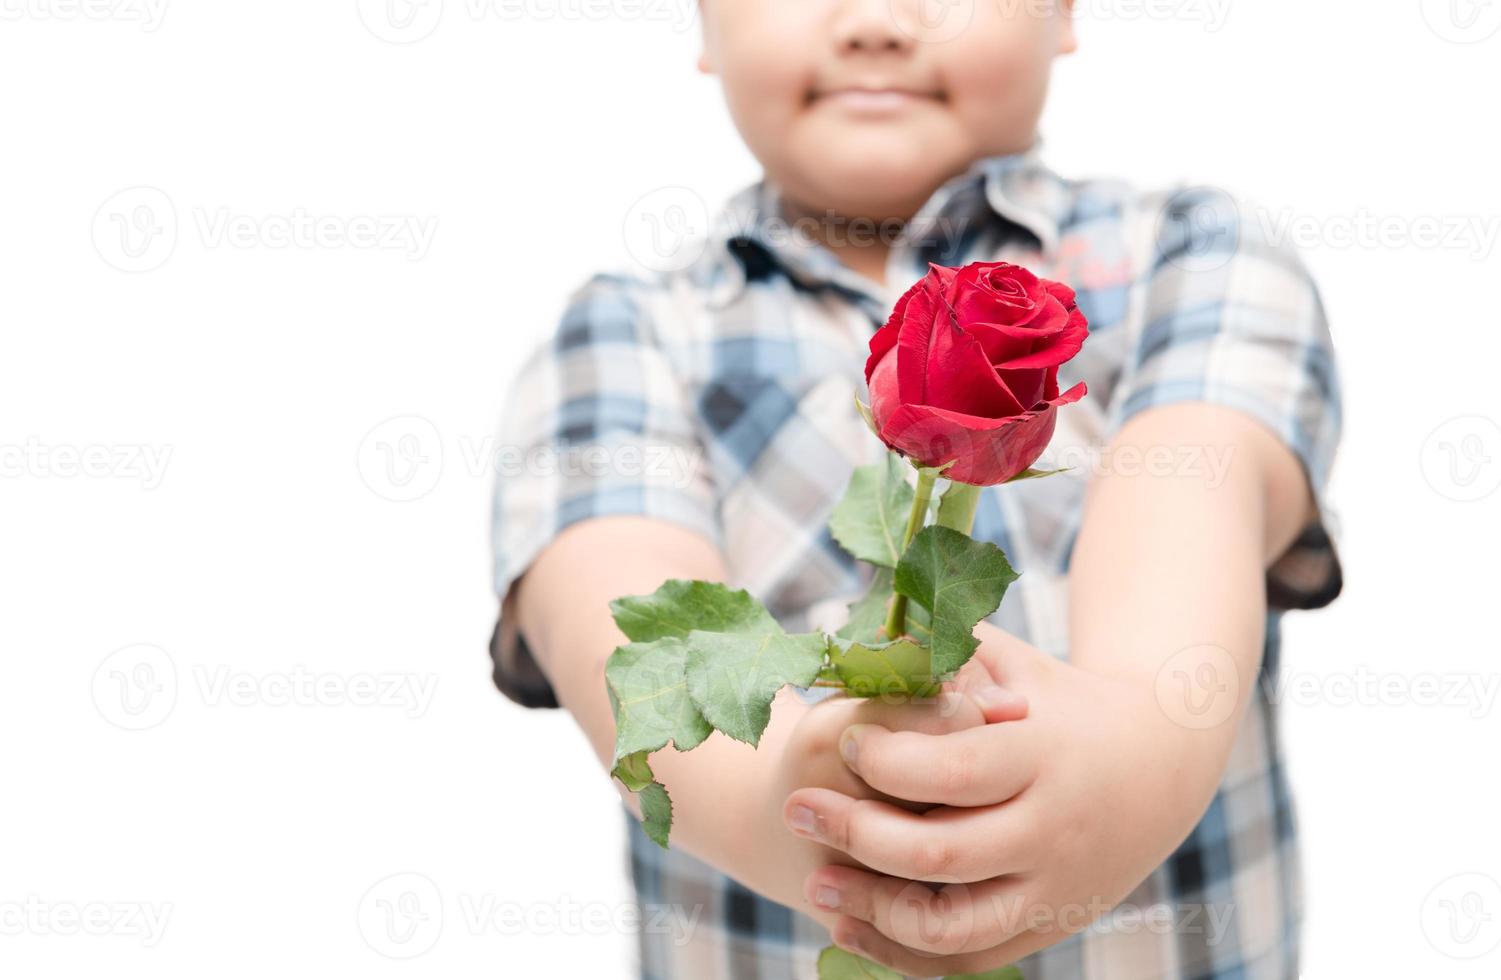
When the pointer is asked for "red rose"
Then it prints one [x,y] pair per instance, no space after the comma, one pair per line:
[966,369]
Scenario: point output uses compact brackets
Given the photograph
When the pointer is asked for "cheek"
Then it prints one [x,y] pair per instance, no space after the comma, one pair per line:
[765,72]
[998,87]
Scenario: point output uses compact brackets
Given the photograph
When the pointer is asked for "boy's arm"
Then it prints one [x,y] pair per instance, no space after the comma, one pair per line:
[1125,744]
[727,796]
[562,606]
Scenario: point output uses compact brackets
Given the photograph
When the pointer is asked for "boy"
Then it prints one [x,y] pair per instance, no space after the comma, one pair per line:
[1105,798]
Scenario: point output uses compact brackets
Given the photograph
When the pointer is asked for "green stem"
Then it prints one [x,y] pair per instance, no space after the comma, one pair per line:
[896,619]
[956,508]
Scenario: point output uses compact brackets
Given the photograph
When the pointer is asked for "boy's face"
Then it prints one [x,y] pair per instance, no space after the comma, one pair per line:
[867,106]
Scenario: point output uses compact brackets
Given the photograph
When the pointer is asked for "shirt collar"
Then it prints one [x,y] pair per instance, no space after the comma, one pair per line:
[753,228]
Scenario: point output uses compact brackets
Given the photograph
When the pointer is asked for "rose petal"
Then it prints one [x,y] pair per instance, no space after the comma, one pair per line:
[1060,345]
[1029,386]
[1075,393]
[997,292]
[1002,344]
[925,308]
[960,377]
[885,338]
[984,451]
[1063,292]
[884,396]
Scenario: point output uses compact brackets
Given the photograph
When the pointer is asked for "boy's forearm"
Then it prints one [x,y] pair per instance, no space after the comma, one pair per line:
[563,605]
[1167,581]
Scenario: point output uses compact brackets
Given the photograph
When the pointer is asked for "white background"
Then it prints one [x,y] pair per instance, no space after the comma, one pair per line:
[257,816]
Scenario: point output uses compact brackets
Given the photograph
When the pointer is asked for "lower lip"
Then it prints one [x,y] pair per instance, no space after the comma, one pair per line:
[873,103]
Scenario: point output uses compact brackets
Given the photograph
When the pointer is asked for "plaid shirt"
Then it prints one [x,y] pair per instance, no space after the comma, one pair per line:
[720,397]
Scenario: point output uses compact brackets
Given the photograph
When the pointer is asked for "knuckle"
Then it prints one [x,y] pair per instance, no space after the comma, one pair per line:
[848,833]
[936,857]
[870,759]
[957,774]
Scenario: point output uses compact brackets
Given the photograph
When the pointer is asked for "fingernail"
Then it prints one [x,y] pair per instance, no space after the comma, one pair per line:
[827,898]
[854,946]
[848,748]
[993,698]
[804,821]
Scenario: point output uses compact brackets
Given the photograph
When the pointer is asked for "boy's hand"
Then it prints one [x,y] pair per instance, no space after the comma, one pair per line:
[808,756]
[1048,822]
[1041,826]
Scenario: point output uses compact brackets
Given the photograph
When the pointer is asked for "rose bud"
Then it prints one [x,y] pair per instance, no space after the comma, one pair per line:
[966,369]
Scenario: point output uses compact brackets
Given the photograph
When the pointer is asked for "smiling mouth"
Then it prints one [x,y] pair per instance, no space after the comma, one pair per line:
[873,101]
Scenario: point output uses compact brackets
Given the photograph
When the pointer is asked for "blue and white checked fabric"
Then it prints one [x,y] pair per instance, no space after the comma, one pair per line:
[721,398]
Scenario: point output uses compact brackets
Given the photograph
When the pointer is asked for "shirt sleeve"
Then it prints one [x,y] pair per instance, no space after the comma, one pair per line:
[596,423]
[1232,317]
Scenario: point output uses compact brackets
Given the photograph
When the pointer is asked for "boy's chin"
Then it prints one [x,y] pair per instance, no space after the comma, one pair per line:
[872,173]
[872,188]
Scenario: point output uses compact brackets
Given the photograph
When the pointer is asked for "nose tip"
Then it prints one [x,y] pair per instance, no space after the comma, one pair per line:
[872,42]
[870,27]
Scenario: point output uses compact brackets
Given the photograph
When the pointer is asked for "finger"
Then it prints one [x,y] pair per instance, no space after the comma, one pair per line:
[948,711]
[944,921]
[973,767]
[996,702]
[972,675]
[1000,703]
[946,844]
[863,939]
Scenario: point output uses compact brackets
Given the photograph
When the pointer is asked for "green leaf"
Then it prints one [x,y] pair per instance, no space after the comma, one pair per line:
[870,520]
[732,677]
[648,686]
[735,656]
[919,624]
[901,668]
[870,420]
[680,605]
[868,613]
[656,807]
[656,813]
[835,964]
[867,616]
[960,582]
[1031,474]
[634,770]
[937,471]
[647,679]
